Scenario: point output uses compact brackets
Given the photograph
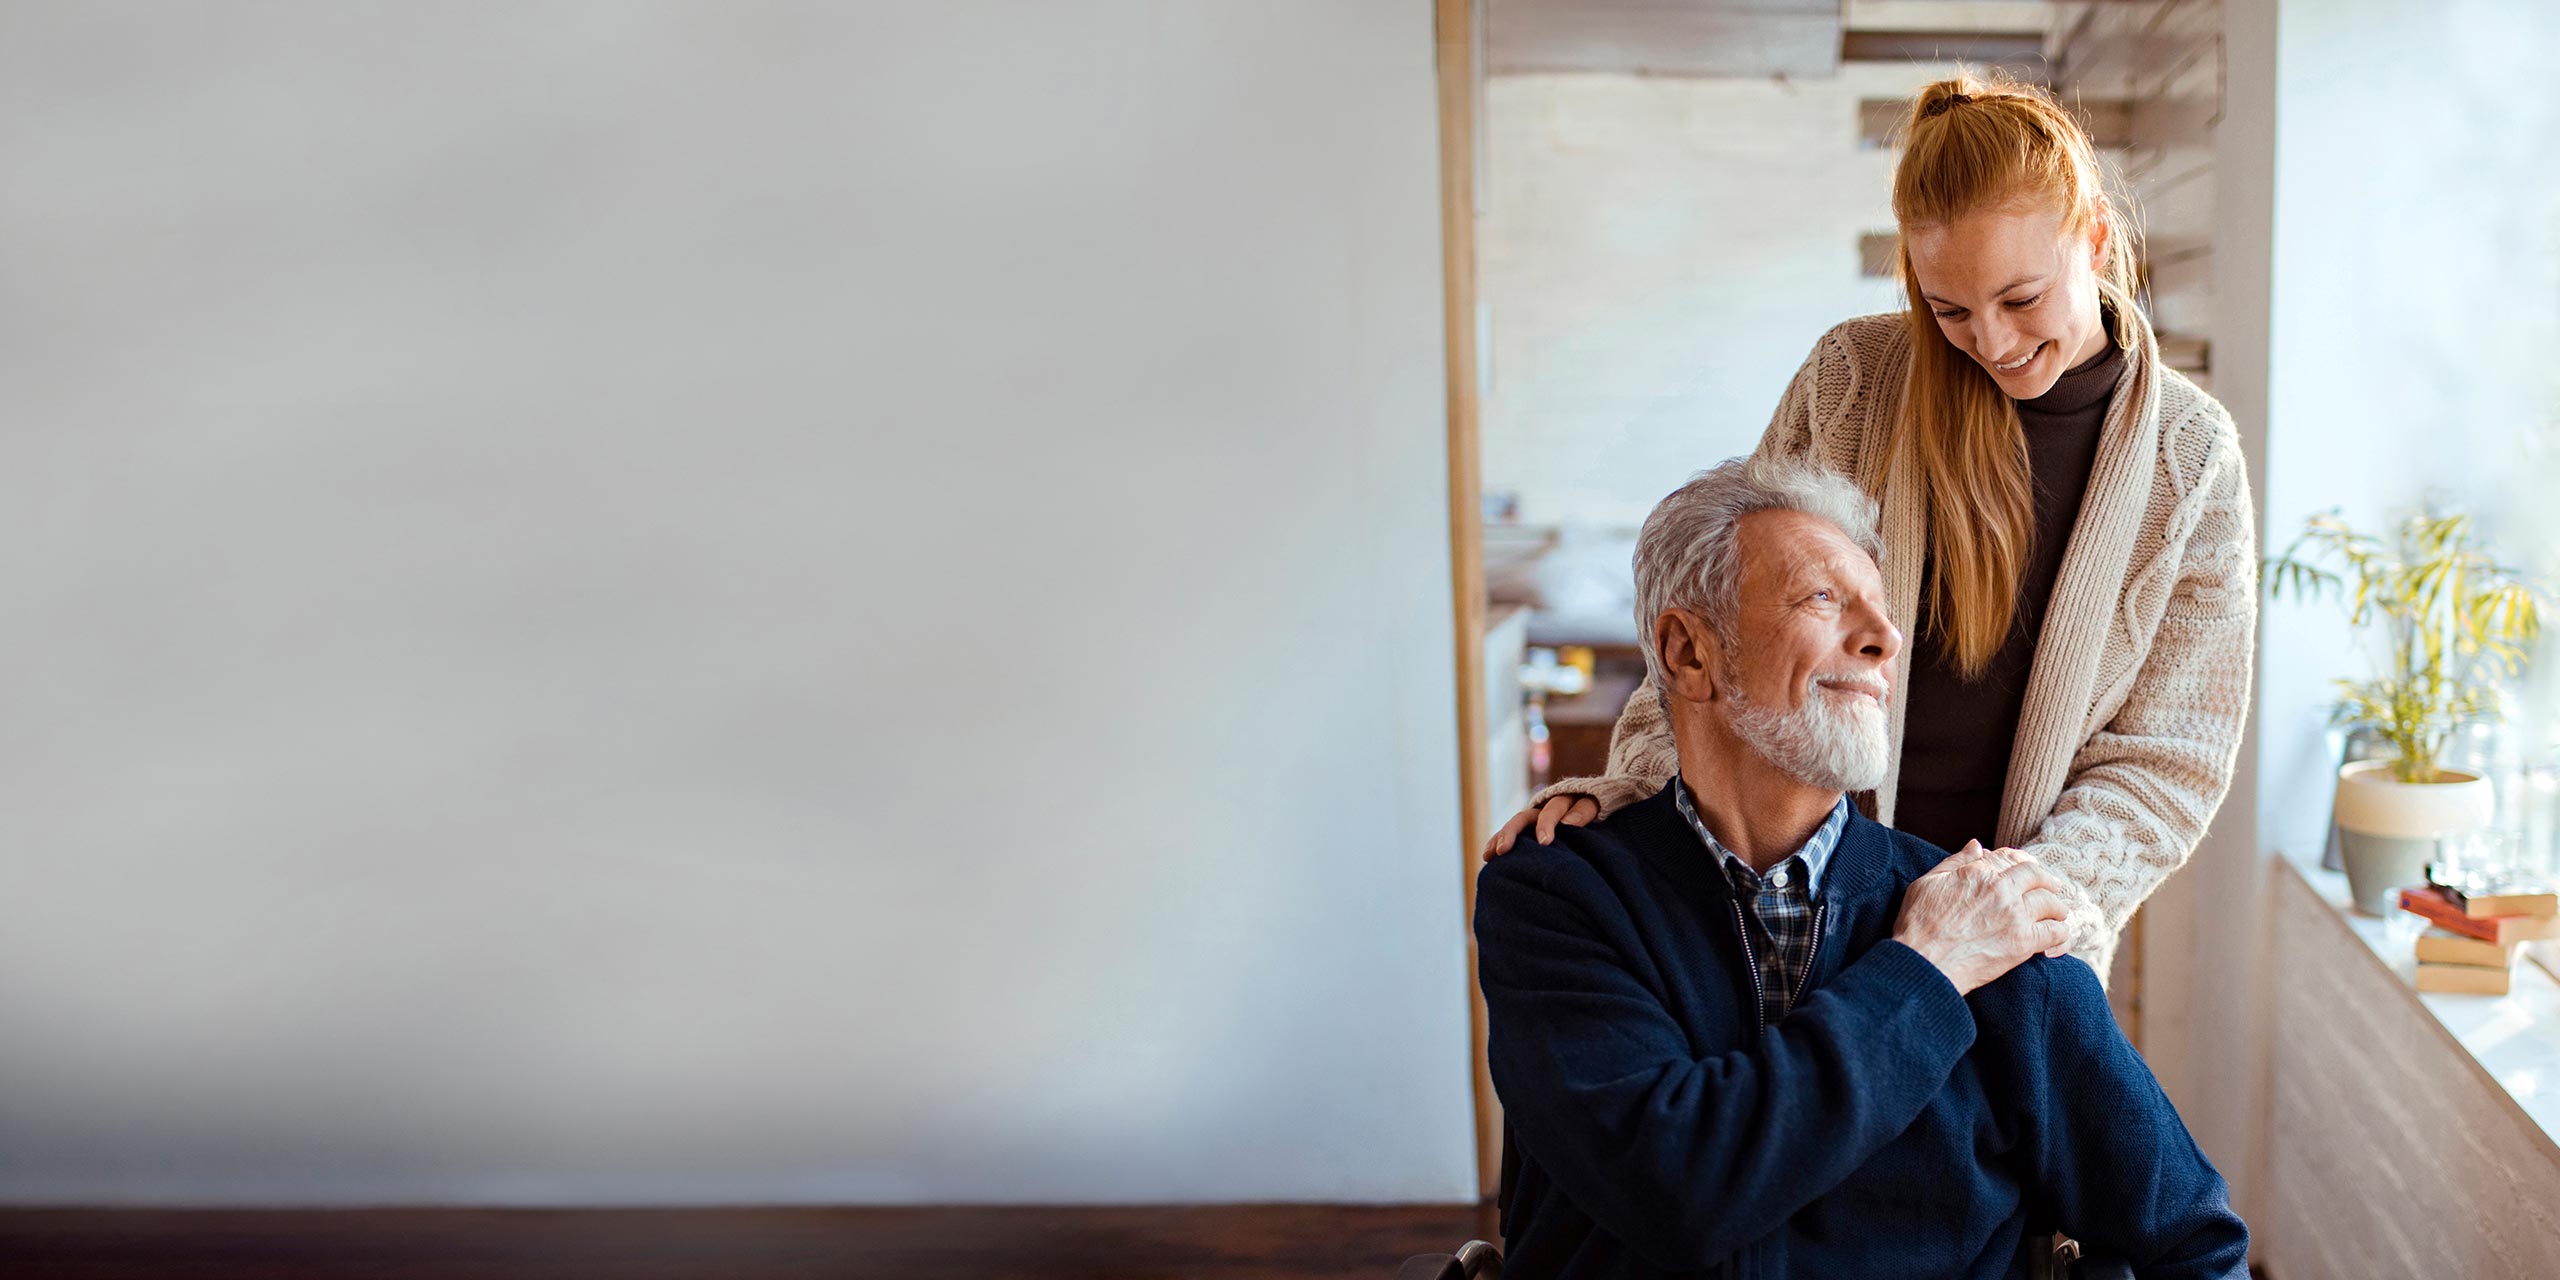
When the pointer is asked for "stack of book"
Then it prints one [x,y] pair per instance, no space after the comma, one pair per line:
[2479,926]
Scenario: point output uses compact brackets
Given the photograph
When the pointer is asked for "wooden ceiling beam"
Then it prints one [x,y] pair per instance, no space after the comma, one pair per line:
[1664,37]
[2019,54]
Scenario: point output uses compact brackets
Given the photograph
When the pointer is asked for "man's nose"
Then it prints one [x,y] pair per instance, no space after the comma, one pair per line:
[1877,637]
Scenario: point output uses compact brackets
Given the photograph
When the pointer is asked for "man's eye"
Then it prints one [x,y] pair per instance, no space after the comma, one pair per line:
[1823,594]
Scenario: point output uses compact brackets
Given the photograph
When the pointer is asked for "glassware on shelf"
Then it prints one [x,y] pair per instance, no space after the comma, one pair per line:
[2515,849]
[1550,674]
[2474,861]
[2538,806]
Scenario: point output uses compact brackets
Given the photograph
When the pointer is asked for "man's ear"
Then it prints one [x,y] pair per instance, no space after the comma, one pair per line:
[1690,654]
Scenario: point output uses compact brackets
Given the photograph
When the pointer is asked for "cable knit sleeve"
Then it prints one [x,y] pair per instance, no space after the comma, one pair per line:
[1641,755]
[2143,787]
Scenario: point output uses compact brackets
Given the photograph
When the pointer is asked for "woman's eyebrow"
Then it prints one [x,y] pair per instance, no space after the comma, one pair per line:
[2023,280]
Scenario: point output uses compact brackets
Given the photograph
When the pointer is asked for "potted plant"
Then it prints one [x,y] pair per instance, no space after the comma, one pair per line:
[2454,624]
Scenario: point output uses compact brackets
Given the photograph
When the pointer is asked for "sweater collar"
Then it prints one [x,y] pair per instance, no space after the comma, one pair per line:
[2089,384]
[1814,856]
[1856,863]
[2053,721]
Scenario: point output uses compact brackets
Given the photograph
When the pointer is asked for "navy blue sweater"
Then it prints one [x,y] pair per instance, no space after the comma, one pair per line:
[1885,1127]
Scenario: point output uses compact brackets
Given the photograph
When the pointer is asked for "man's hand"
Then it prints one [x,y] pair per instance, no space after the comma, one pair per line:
[1981,913]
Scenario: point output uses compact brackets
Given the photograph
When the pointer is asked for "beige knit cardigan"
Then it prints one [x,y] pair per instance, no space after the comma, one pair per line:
[2140,682]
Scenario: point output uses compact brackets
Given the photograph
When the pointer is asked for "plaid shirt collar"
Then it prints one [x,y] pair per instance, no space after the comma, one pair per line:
[1816,853]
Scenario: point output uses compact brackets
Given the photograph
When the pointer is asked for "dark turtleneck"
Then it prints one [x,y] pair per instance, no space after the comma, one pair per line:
[1957,733]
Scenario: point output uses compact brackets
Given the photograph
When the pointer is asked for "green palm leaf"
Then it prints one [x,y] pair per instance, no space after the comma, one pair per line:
[2457,621]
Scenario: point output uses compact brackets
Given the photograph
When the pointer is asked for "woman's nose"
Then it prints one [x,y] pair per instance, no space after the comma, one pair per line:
[1997,338]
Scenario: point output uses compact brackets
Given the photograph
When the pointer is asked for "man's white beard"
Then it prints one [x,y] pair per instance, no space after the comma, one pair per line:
[1838,742]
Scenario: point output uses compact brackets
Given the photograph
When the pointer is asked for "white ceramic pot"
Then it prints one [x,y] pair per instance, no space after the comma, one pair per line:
[2388,829]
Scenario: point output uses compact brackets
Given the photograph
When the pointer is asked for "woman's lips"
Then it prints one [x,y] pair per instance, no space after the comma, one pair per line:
[2024,361]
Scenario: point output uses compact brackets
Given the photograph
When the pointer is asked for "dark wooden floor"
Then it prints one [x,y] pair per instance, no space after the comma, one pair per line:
[1223,1242]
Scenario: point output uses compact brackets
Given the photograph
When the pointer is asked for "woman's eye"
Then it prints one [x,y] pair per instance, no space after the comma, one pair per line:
[1823,594]
[2024,303]
[1950,315]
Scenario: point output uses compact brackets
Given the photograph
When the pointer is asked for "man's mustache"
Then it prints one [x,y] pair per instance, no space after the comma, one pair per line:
[1855,682]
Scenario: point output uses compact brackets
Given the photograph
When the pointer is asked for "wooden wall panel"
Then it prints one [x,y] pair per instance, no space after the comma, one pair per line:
[2392,1154]
[2162,62]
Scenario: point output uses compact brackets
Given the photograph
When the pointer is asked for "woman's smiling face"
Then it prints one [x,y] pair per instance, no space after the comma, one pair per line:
[2013,289]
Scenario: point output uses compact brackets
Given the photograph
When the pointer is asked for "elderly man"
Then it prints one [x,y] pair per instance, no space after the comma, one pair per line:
[1741,1029]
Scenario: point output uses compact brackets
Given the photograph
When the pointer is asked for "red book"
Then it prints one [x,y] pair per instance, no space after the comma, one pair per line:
[2436,905]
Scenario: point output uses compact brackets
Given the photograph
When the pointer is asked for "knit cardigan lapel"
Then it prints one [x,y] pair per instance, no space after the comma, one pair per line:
[2082,610]
[2084,607]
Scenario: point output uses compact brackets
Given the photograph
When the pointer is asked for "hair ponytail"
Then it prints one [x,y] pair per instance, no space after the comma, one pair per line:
[1972,143]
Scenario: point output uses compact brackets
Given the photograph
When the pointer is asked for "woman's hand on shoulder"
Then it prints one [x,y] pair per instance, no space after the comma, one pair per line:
[1579,811]
[2012,857]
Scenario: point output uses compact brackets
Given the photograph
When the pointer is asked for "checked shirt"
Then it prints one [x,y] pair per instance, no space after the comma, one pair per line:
[1777,908]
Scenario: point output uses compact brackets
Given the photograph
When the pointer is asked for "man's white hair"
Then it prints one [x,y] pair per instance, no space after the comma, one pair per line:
[1688,555]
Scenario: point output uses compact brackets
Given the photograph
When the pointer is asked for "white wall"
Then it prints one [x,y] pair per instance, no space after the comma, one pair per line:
[1658,254]
[704,603]
[2417,301]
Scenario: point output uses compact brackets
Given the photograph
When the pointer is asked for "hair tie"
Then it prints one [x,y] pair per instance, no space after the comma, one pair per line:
[1943,105]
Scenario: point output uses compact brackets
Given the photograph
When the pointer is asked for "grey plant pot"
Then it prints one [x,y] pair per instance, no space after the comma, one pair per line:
[2387,829]
[2378,867]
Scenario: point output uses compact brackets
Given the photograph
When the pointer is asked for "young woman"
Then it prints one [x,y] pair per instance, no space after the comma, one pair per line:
[2069,540]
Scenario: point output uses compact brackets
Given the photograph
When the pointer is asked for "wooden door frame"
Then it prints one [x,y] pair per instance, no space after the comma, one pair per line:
[1458,34]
